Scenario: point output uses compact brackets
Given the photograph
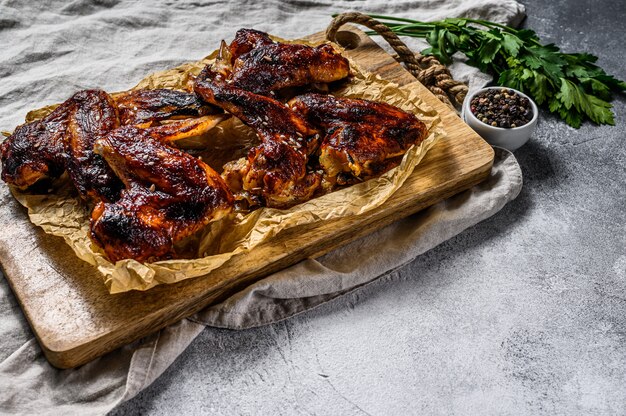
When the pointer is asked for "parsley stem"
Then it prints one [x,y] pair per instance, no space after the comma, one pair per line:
[407,30]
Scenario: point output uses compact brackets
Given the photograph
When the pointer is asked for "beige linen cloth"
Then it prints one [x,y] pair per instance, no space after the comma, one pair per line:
[40,69]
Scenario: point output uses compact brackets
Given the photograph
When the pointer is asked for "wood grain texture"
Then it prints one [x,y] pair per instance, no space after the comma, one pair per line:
[76,320]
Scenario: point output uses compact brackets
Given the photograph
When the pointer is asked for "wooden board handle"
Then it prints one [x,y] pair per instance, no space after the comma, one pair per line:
[427,69]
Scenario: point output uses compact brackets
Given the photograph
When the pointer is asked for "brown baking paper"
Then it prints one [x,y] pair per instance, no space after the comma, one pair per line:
[63,214]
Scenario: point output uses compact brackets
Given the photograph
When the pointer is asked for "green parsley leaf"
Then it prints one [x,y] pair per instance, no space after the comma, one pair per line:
[511,44]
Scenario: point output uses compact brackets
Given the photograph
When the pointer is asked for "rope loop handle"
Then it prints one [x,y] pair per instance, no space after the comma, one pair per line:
[427,69]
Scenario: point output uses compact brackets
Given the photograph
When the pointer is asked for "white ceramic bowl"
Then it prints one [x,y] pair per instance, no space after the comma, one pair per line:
[509,138]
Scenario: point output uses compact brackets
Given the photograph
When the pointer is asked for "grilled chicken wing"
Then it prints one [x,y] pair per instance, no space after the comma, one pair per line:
[363,138]
[169,195]
[261,65]
[92,115]
[275,172]
[142,107]
[35,150]
[182,129]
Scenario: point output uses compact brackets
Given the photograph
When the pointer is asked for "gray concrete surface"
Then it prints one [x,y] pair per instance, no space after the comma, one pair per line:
[523,314]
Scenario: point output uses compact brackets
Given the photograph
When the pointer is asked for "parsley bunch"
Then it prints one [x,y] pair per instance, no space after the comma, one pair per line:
[568,84]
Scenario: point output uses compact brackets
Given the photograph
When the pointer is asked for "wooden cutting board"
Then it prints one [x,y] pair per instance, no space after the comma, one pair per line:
[76,320]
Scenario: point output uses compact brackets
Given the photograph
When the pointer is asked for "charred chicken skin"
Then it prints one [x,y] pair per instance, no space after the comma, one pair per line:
[260,65]
[168,196]
[362,138]
[275,172]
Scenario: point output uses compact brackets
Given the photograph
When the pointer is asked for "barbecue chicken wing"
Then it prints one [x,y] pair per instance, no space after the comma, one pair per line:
[143,107]
[92,115]
[168,196]
[275,172]
[260,65]
[35,150]
[362,138]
